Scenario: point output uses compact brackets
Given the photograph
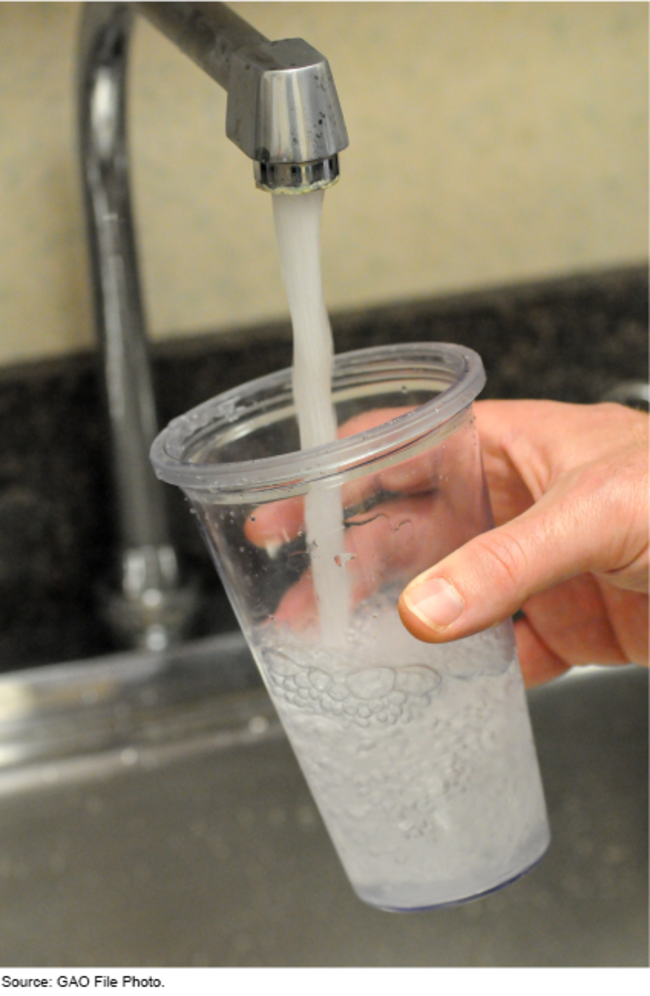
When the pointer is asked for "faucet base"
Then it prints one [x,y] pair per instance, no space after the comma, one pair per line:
[154,609]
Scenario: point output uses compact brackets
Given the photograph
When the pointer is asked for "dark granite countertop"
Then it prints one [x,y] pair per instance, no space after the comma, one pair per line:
[569,340]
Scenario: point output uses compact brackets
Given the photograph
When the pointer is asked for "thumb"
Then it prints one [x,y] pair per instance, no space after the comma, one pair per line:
[494,574]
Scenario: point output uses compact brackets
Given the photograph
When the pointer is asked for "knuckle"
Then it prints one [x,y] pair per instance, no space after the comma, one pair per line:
[505,558]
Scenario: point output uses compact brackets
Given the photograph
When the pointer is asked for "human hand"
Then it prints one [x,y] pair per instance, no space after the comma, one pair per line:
[568,487]
[569,491]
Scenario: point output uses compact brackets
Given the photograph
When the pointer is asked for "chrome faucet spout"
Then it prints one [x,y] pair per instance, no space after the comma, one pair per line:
[283,110]
[284,114]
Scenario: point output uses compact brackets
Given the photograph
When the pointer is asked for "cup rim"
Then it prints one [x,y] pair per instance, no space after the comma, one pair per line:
[317,462]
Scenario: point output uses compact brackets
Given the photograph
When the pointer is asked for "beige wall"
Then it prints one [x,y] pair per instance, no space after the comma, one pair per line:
[490,142]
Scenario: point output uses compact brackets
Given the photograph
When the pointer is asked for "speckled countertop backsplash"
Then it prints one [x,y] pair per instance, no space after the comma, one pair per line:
[569,340]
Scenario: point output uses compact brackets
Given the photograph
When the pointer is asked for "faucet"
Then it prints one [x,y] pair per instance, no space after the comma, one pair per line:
[283,113]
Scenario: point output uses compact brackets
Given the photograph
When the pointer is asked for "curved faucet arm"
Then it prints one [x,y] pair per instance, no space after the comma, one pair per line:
[207,32]
[148,605]
[119,314]
[283,112]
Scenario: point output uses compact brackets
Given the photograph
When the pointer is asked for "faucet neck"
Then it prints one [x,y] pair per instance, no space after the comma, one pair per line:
[208,33]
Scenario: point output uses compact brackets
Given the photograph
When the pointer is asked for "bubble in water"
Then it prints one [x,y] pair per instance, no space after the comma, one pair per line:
[395,752]
[320,680]
[338,691]
[417,679]
[371,683]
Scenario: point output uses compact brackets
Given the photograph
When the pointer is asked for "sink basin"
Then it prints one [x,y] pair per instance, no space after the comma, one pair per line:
[153,814]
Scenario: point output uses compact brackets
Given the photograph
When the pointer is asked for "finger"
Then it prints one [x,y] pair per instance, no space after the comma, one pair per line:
[493,575]
[575,623]
[389,544]
[279,522]
[272,525]
[298,607]
[509,494]
[538,663]
[628,613]
[395,541]
[527,446]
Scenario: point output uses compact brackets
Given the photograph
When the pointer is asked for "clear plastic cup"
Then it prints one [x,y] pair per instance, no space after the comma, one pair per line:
[420,757]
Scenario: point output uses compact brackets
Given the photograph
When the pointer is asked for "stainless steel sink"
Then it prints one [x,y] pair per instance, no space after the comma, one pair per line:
[152,814]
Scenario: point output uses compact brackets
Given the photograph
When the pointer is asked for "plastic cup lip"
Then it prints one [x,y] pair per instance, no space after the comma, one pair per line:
[285,470]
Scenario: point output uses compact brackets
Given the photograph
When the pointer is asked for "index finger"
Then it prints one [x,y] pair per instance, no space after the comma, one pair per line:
[279,522]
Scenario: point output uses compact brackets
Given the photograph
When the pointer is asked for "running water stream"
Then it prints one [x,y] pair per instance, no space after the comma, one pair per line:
[297,225]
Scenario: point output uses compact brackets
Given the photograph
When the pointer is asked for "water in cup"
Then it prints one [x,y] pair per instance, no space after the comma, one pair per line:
[420,757]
